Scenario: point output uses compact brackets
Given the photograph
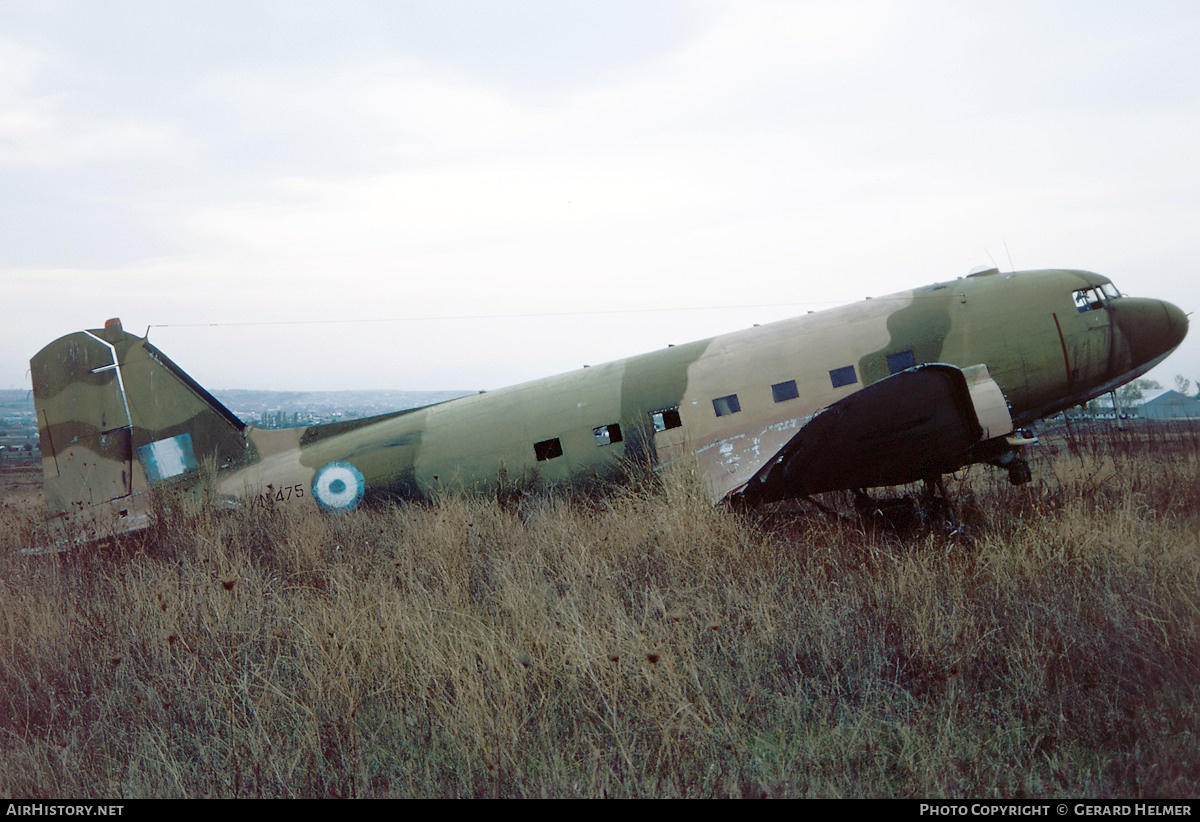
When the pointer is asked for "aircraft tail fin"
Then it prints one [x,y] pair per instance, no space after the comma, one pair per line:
[115,417]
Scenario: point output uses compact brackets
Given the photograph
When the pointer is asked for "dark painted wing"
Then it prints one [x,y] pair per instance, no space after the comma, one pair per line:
[913,425]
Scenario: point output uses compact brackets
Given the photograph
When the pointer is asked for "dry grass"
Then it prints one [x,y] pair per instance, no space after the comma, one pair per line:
[641,643]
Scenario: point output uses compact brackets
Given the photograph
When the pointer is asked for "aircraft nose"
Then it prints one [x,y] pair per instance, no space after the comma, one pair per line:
[1152,328]
[1177,322]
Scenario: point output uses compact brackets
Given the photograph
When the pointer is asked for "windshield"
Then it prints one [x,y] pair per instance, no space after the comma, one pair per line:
[1095,297]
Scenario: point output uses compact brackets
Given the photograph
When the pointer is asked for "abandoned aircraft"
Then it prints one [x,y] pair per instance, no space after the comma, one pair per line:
[883,392]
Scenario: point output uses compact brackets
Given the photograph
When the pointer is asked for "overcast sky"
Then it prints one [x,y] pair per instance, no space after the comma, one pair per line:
[469,193]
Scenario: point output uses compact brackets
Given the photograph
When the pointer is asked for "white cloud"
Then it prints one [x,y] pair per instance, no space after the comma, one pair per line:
[390,160]
[41,125]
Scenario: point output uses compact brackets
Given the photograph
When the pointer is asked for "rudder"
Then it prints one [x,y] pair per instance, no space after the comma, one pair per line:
[115,417]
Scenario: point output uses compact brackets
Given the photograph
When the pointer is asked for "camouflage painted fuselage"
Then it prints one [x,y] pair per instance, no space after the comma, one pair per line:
[120,417]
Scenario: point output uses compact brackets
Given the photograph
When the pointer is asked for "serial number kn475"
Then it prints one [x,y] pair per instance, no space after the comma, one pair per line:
[274,495]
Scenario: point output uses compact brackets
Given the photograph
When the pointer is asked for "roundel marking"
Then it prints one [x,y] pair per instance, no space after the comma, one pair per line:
[338,486]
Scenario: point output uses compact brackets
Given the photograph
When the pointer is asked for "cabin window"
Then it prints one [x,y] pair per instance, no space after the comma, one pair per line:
[607,434]
[547,449]
[784,391]
[843,376]
[666,419]
[724,406]
[901,361]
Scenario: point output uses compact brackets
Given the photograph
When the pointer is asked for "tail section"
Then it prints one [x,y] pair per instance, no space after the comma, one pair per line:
[116,416]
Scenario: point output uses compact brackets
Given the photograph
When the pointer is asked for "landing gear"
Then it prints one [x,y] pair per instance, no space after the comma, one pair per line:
[1018,472]
[899,515]
[933,509]
[913,515]
[940,512]
[1009,457]
[937,504]
[1017,467]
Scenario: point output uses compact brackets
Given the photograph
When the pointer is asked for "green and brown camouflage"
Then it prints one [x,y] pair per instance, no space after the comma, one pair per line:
[886,391]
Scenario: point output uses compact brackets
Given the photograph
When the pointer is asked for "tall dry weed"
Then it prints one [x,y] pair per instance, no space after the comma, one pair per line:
[638,643]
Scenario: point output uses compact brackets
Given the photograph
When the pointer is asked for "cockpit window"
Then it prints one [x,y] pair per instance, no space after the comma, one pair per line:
[1091,299]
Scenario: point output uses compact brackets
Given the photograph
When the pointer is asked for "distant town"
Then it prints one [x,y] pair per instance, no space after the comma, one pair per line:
[292,409]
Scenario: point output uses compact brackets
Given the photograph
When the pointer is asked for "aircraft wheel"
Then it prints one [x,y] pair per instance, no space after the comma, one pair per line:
[1018,472]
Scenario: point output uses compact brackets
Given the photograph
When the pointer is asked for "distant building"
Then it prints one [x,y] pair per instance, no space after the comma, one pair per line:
[1155,404]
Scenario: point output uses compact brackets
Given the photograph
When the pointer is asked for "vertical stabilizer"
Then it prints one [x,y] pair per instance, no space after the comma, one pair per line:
[115,417]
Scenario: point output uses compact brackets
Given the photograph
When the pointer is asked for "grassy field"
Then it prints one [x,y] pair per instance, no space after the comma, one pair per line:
[637,643]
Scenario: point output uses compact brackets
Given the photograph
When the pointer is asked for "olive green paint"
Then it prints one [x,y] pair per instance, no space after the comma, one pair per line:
[920,327]
[1041,355]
